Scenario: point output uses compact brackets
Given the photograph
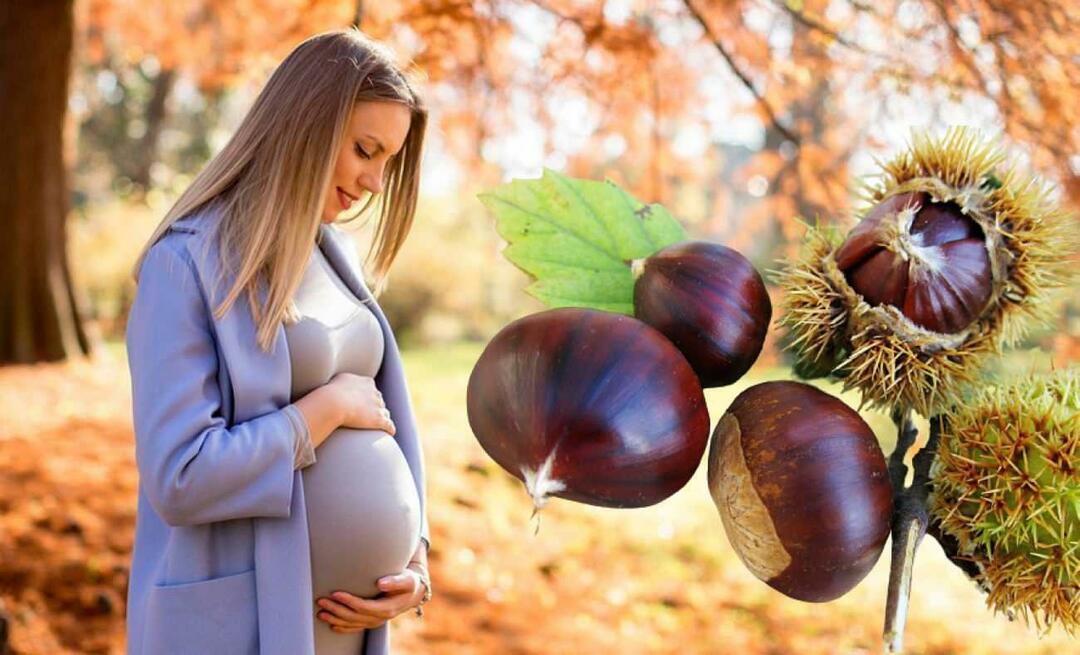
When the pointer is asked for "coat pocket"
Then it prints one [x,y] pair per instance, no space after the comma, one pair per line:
[205,618]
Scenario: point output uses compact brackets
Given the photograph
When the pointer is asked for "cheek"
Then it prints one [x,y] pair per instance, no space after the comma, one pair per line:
[343,166]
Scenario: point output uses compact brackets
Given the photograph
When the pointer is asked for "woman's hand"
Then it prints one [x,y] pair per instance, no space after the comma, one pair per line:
[348,613]
[361,402]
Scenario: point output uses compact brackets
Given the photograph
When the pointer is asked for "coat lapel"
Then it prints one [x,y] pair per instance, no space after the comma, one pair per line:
[254,383]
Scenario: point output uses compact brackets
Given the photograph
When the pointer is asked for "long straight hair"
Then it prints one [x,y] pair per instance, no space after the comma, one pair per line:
[270,179]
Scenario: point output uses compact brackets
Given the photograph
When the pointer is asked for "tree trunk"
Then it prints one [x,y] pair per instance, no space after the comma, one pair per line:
[39,316]
[155,121]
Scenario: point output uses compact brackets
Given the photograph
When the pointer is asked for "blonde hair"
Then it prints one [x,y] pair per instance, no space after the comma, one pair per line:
[270,179]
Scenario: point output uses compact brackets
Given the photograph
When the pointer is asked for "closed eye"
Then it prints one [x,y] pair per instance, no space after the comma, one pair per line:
[360,151]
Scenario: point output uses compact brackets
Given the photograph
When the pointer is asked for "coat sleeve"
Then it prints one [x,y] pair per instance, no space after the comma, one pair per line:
[194,468]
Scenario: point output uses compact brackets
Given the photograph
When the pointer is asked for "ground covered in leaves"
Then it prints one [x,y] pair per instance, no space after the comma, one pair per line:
[655,580]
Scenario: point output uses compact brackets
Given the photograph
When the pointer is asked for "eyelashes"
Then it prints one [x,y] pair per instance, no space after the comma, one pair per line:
[360,150]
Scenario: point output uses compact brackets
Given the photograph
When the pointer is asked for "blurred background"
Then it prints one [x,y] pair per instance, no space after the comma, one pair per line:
[743,117]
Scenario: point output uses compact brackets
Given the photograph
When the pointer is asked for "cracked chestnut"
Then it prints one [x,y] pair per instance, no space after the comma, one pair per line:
[802,489]
[710,302]
[927,259]
[590,406]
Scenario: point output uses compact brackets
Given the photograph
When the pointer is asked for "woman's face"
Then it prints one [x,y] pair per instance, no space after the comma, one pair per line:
[375,133]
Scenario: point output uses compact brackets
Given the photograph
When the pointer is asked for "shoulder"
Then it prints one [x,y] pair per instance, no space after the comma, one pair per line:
[178,263]
[187,244]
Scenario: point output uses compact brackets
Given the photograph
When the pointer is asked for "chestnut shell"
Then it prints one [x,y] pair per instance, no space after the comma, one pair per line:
[600,403]
[937,271]
[710,302]
[802,489]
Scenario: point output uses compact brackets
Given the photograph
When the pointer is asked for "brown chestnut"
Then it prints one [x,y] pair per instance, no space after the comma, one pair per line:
[802,489]
[591,406]
[710,301]
[925,258]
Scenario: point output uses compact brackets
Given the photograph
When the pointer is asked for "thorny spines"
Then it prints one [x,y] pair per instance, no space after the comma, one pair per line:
[1006,489]
[877,350]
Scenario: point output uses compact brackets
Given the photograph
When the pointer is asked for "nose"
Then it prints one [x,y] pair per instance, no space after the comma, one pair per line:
[372,180]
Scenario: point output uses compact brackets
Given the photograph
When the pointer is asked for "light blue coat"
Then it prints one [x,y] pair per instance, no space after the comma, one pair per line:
[221,562]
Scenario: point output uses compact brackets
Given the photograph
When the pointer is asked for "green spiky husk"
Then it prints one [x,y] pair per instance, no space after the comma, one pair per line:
[877,350]
[1006,486]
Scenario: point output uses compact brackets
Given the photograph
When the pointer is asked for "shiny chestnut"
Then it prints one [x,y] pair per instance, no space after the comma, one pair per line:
[710,301]
[925,258]
[802,489]
[590,406]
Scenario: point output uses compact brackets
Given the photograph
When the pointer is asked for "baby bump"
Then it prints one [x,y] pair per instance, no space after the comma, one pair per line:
[363,511]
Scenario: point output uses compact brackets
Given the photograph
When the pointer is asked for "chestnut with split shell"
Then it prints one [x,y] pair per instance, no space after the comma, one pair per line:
[802,489]
[710,301]
[927,259]
[589,406]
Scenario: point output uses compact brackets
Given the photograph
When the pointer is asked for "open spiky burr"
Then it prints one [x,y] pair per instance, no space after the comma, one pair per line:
[956,252]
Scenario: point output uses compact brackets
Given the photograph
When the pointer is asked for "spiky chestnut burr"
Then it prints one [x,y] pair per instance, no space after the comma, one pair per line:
[955,253]
[1006,489]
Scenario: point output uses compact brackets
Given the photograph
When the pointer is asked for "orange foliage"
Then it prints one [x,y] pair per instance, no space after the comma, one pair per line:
[649,93]
[815,74]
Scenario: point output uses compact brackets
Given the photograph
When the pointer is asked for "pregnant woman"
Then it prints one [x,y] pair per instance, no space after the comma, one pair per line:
[281,493]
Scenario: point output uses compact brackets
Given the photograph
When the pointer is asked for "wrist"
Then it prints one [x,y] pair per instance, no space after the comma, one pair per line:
[425,580]
[335,400]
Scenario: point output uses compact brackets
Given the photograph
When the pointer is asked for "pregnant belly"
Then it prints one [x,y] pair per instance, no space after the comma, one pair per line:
[363,512]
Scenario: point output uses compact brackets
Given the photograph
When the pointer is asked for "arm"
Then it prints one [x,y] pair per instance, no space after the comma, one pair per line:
[194,468]
[321,413]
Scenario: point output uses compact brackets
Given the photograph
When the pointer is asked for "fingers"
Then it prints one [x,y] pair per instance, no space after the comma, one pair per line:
[339,614]
[398,584]
[387,424]
[343,617]
[353,610]
[384,413]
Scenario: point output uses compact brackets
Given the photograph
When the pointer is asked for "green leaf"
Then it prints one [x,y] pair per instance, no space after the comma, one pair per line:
[577,238]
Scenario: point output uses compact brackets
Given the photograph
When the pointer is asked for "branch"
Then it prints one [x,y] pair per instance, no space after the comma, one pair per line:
[961,52]
[816,25]
[743,77]
[906,434]
[910,519]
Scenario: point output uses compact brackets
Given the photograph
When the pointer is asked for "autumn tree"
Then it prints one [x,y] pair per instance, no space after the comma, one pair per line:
[741,115]
[39,315]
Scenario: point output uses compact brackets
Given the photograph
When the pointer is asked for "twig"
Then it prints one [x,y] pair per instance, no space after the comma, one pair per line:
[910,519]
[812,23]
[743,77]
